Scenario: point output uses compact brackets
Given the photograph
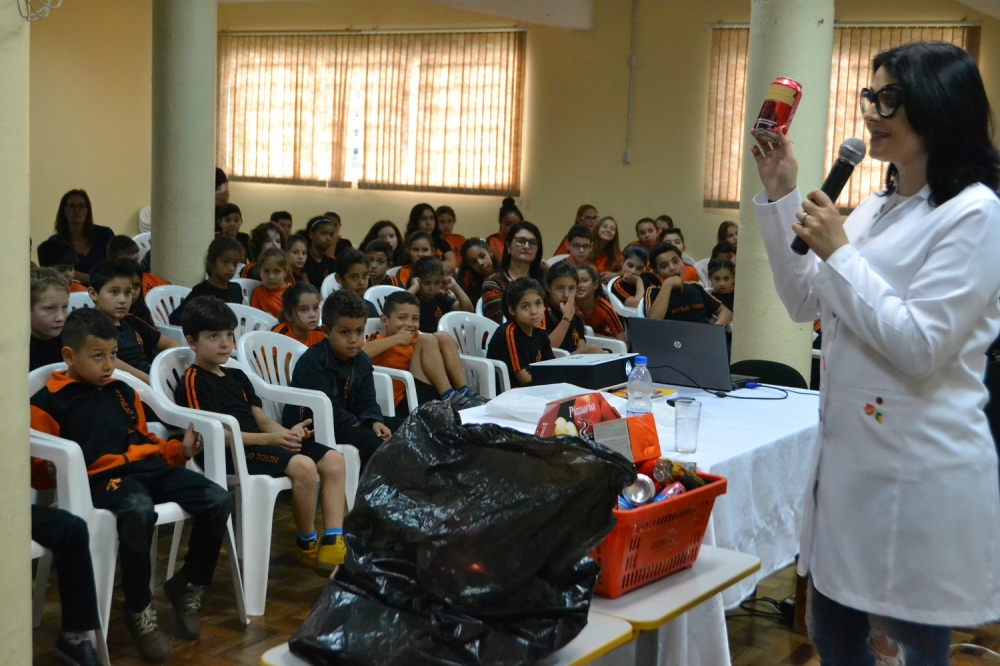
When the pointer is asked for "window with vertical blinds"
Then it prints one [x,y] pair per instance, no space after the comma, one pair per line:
[853,50]
[433,111]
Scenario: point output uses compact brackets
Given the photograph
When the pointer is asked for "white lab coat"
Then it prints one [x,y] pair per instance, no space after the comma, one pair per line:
[902,513]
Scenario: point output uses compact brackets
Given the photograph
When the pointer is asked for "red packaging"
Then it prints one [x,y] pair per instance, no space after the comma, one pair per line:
[575,416]
[779,107]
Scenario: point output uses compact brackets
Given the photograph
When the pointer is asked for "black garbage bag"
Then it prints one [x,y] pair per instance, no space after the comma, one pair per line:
[467,545]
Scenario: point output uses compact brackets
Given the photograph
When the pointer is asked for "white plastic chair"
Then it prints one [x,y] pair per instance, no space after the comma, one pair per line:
[142,240]
[377,295]
[610,345]
[102,524]
[702,267]
[393,271]
[472,333]
[162,301]
[641,310]
[479,307]
[558,352]
[250,319]
[329,286]
[555,259]
[623,310]
[256,493]
[247,285]
[145,219]
[80,299]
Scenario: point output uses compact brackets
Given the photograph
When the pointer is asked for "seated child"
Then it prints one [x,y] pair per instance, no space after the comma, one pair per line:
[339,242]
[123,247]
[298,252]
[446,228]
[675,237]
[138,307]
[319,263]
[432,359]
[352,275]
[138,342]
[228,220]
[418,244]
[49,307]
[340,369]
[270,449]
[721,252]
[283,220]
[645,233]
[264,237]
[631,286]
[477,264]
[593,304]
[722,273]
[676,299]
[58,254]
[579,245]
[300,314]
[563,322]
[426,284]
[521,341]
[220,263]
[663,222]
[130,470]
[379,253]
[272,268]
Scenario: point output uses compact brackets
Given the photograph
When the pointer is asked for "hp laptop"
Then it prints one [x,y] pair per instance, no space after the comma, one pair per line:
[684,353]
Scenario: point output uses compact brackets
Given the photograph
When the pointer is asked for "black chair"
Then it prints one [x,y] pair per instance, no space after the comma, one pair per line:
[770,372]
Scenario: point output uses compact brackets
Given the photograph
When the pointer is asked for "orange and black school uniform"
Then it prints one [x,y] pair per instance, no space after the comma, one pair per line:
[604,320]
[573,336]
[315,336]
[389,281]
[317,271]
[431,311]
[130,470]
[76,287]
[496,245]
[605,265]
[624,290]
[689,303]
[403,277]
[455,242]
[44,352]
[400,357]
[250,271]
[137,342]
[518,350]
[268,300]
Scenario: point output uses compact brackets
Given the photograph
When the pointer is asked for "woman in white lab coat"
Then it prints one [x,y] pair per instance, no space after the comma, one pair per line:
[901,533]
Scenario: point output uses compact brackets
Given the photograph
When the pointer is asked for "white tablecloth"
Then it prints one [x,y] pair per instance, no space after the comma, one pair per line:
[764,449]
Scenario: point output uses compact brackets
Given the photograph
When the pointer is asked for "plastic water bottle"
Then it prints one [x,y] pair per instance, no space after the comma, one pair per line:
[640,389]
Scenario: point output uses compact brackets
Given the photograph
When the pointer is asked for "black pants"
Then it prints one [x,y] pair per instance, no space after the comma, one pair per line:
[363,438]
[130,492]
[67,537]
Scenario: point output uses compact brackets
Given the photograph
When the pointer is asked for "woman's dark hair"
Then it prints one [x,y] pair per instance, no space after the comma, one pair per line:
[62,224]
[595,278]
[399,256]
[558,270]
[508,206]
[635,252]
[259,236]
[291,296]
[413,224]
[946,104]
[219,247]
[659,249]
[535,269]
[724,228]
[517,290]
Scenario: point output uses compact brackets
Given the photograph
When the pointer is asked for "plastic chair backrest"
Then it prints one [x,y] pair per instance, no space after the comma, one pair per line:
[479,307]
[168,368]
[145,219]
[247,285]
[373,326]
[80,299]
[271,356]
[250,319]
[620,307]
[329,285]
[640,311]
[39,376]
[393,271]
[471,331]
[142,240]
[161,301]
[377,295]
[555,259]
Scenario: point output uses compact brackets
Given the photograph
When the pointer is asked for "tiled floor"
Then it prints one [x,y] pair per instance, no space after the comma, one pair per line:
[292,590]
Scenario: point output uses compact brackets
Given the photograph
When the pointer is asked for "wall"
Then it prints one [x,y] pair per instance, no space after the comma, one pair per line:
[90,106]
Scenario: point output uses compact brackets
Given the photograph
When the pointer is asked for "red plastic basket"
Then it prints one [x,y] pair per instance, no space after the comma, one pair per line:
[655,540]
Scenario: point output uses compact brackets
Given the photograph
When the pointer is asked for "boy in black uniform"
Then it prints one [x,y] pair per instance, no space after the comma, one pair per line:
[270,449]
[676,299]
[340,369]
[130,471]
[428,280]
[111,290]
[521,342]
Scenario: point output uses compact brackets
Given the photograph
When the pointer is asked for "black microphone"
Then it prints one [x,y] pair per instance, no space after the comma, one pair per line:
[851,152]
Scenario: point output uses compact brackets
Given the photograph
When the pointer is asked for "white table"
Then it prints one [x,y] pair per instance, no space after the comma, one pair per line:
[602,634]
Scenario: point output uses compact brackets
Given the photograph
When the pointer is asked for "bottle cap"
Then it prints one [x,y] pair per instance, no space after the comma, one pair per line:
[640,360]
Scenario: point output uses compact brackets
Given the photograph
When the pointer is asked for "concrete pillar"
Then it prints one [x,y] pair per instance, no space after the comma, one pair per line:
[792,38]
[183,173]
[15,512]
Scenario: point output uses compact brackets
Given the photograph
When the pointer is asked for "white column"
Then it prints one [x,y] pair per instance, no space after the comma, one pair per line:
[791,38]
[183,173]
[15,523]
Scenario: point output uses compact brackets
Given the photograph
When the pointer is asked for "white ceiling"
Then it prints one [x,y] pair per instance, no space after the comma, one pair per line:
[988,7]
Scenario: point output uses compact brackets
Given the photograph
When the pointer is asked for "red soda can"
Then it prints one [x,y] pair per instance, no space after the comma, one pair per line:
[779,107]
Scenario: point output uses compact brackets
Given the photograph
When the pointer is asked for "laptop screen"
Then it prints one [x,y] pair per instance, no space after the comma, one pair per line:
[682,353]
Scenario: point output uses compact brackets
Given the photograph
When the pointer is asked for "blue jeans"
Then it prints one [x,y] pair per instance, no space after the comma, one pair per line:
[847,637]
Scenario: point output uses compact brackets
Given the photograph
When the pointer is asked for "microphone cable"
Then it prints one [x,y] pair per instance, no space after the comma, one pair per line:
[723,394]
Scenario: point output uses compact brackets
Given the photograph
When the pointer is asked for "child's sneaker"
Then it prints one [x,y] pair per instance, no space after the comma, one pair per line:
[186,600]
[307,556]
[152,644]
[81,653]
[466,399]
[331,554]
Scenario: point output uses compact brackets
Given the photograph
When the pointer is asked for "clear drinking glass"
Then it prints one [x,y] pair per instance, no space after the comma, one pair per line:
[687,416]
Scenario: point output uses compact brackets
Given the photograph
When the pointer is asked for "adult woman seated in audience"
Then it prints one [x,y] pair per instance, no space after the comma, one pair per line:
[729,232]
[510,215]
[586,215]
[75,224]
[522,257]
[389,232]
[423,218]
[606,251]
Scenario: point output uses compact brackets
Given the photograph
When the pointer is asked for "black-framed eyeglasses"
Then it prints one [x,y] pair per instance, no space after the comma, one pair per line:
[887,100]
